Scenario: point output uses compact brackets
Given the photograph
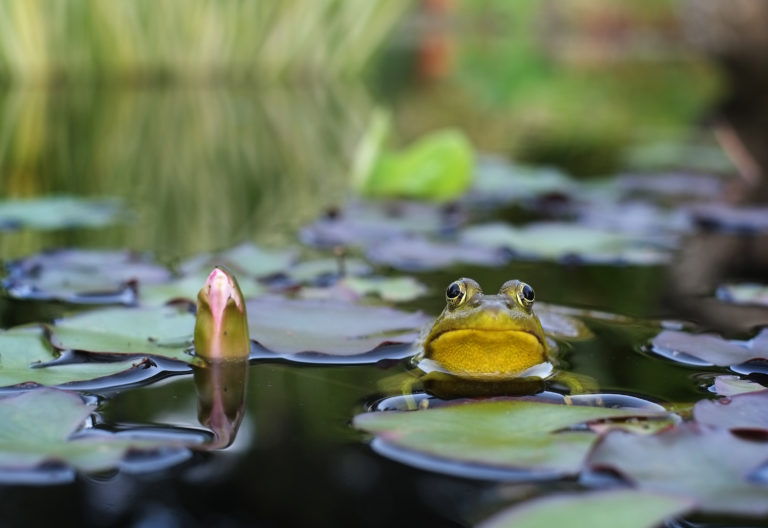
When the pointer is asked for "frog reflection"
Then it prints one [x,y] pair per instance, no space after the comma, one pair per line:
[490,344]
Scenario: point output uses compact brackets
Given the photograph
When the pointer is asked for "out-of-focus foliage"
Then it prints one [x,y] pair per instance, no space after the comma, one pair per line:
[137,40]
[570,83]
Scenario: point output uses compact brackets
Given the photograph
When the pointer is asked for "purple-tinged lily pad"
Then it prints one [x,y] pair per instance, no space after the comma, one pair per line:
[502,435]
[57,212]
[741,411]
[708,349]
[337,328]
[365,224]
[46,425]
[164,331]
[599,509]
[709,465]
[24,355]
[417,254]
[82,276]
[745,293]
[671,184]
[732,385]
[558,240]
[731,218]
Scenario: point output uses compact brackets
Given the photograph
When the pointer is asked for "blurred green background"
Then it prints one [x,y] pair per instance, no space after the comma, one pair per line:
[224,121]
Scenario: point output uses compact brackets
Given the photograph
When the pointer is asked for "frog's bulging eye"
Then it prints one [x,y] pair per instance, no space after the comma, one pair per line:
[454,292]
[527,293]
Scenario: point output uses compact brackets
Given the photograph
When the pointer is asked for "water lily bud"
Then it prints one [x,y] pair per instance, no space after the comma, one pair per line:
[221,329]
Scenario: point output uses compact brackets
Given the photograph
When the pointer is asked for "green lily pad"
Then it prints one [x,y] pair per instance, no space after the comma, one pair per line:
[313,270]
[708,349]
[337,328]
[600,509]
[57,212]
[741,411]
[82,276]
[497,180]
[396,289]
[45,425]
[745,293]
[186,288]
[24,353]
[708,465]
[243,260]
[501,434]
[556,240]
[162,331]
[732,385]
[557,324]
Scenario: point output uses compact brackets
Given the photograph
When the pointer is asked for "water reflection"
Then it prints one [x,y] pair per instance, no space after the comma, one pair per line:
[201,168]
[220,391]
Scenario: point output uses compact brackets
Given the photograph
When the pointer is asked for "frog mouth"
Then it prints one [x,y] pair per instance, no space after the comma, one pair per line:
[481,352]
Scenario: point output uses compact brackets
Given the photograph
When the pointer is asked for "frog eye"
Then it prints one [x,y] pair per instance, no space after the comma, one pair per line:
[454,292]
[525,294]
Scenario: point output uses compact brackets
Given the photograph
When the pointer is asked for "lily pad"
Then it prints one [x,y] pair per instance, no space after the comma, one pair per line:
[243,260]
[512,435]
[367,224]
[497,180]
[57,212]
[708,465]
[731,218]
[741,411]
[45,425]
[82,276]
[393,289]
[557,240]
[162,331]
[708,349]
[186,288]
[600,509]
[560,325]
[289,326]
[745,293]
[732,385]
[317,270]
[24,354]
[418,253]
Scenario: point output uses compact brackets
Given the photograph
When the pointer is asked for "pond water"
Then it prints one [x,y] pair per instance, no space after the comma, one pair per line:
[204,170]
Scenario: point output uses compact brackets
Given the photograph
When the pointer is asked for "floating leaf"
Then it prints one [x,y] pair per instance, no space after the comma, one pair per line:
[245,260]
[731,385]
[557,324]
[708,349]
[417,253]
[82,276]
[731,218]
[555,240]
[671,184]
[745,293]
[741,411]
[317,270]
[45,426]
[288,326]
[513,435]
[163,331]
[186,288]
[497,180]
[600,509]
[397,289]
[711,466]
[366,224]
[24,353]
[56,212]
[438,166]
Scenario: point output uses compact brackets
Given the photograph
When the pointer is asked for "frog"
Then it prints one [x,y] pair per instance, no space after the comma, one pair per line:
[490,344]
